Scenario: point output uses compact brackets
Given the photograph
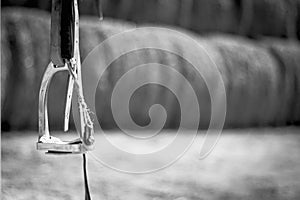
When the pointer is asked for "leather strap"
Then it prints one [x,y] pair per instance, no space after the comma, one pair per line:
[86,185]
[62,31]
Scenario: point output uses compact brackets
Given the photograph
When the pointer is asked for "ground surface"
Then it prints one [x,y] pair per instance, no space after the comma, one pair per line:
[245,164]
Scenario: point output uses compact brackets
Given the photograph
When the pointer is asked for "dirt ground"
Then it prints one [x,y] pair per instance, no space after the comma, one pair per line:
[245,164]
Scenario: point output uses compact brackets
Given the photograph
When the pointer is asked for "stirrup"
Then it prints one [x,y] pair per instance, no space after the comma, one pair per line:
[65,59]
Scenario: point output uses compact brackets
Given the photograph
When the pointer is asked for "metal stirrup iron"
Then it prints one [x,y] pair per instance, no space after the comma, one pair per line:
[65,56]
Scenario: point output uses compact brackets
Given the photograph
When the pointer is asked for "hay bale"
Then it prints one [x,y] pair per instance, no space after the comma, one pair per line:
[253,80]
[216,16]
[287,56]
[22,70]
[6,60]
[153,94]
[200,15]
[267,17]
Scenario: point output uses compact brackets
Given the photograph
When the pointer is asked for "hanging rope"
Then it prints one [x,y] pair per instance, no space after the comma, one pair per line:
[86,185]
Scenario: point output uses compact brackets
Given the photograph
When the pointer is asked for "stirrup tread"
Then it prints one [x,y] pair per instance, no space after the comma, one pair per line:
[74,148]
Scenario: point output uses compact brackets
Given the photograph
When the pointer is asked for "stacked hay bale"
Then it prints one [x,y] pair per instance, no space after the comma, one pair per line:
[246,17]
[261,77]
[253,18]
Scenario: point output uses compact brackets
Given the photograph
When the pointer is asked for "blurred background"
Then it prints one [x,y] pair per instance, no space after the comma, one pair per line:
[235,32]
[255,45]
